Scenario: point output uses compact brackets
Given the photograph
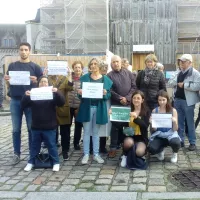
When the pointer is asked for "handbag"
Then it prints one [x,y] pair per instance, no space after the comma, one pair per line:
[43,160]
[128,131]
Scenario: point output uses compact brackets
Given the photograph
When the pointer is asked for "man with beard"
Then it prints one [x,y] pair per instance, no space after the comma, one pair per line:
[16,93]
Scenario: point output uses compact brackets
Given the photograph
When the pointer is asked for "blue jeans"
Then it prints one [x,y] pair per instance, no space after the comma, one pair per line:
[91,128]
[49,137]
[16,116]
[185,112]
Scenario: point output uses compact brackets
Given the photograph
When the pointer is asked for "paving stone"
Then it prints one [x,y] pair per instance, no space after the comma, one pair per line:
[106,171]
[139,180]
[28,179]
[5,187]
[20,186]
[75,176]
[56,178]
[12,182]
[120,182]
[91,173]
[93,169]
[53,183]
[48,188]
[81,190]
[39,180]
[137,187]
[106,176]
[195,165]
[12,195]
[139,173]
[67,188]
[86,185]
[119,188]
[153,176]
[174,167]
[71,182]
[4,179]
[103,181]
[32,188]
[89,178]
[157,181]
[101,188]
[122,176]
[157,188]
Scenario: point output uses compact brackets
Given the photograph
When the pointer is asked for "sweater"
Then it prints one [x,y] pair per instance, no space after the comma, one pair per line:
[123,86]
[84,109]
[17,91]
[44,111]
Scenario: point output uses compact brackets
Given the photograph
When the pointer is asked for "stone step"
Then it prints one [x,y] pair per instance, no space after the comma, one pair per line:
[5,113]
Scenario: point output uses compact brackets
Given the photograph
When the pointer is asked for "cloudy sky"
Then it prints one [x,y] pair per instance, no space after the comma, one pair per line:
[18,11]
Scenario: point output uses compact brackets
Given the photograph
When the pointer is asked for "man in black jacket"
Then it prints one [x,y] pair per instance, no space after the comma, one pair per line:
[121,92]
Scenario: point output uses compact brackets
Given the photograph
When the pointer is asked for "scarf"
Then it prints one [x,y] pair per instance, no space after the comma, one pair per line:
[148,75]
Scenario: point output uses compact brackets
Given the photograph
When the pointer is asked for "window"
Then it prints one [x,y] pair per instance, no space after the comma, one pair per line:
[5,43]
[11,43]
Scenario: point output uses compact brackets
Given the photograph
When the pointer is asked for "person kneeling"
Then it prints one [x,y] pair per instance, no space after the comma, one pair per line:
[163,137]
[43,124]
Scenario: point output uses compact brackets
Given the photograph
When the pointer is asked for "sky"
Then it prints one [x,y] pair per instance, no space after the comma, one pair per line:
[18,11]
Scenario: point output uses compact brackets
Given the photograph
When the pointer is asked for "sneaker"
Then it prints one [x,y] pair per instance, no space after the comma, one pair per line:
[192,147]
[123,162]
[56,167]
[15,159]
[77,147]
[28,167]
[65,156]
[98,159]
[161,155]
[85,159]
[112,153]
[174,158]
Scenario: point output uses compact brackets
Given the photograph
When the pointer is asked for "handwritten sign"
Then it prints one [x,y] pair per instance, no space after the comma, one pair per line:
[161,120]
[19,77]
[57,67]
[92,90]
[120,114]
[42,93]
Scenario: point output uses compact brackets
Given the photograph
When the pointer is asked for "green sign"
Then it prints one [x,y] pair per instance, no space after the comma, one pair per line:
[120,114]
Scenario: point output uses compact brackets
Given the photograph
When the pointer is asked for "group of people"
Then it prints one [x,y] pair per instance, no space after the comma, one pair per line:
[144,93]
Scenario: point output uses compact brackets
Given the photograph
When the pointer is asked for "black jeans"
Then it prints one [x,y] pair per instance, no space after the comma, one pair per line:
[198,119]
[158,144]
[102,143]
[77,128]
[116,129]
[65,137]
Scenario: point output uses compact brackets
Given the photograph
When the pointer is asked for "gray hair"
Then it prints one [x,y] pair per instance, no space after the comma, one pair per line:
[103,65]
[159,65]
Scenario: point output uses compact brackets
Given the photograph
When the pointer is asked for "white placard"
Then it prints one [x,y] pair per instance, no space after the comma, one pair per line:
[42,93]
[57,67]
[161,120]
[19,77]
[92,90]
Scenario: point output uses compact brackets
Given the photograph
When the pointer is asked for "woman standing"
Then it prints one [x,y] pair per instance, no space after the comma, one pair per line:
[74,102]
[97,108]
[151,81]
[63,113]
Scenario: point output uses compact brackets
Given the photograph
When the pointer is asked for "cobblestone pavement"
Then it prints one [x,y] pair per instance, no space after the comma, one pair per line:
[154,183]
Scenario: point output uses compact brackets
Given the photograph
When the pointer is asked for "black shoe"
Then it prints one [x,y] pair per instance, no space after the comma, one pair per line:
[103,150]
[192,147]
[91,151]
[182,144]
[58,144]
[65,156]
[77,147]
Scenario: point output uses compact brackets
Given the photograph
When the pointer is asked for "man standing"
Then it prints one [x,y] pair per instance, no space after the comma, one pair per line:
[16,93]
[121,92]
[187,84]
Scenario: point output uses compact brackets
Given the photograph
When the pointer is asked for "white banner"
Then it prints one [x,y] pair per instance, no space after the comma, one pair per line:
[161,120]
[42,93]
[19,77]
[57,67]
[92,90]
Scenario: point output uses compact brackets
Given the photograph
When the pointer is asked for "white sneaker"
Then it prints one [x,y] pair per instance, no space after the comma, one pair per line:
[28,167]
[98,159]
[174,158]
[56,168]
[161,155]
[123,162]
[85,159]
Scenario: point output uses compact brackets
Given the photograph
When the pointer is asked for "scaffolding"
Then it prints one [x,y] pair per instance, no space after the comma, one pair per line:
[86,26]
[144,22]
[53,26]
